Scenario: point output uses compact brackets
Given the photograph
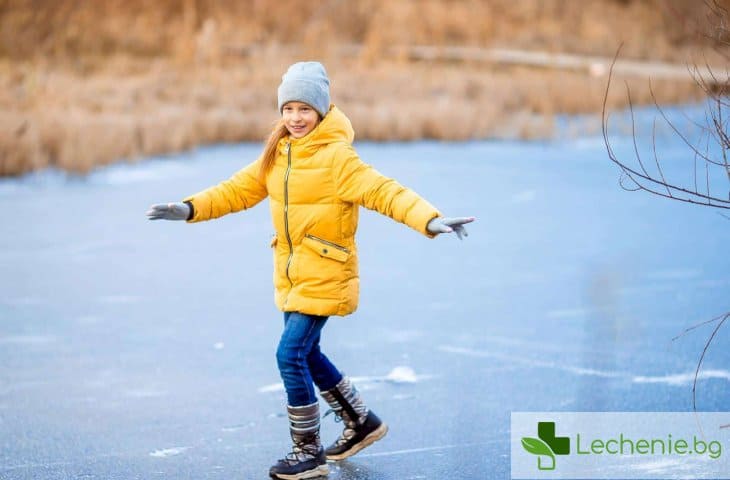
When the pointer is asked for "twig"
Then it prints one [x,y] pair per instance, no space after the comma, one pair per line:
[694,327]
[702,357]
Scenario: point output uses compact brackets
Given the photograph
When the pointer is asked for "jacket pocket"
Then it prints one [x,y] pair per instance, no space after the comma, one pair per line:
[325,248]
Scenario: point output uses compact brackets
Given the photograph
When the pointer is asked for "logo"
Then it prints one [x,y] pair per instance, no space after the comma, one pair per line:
[629,445]
[546,445]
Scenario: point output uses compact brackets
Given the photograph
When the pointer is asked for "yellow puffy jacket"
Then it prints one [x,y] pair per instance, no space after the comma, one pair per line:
[315,188]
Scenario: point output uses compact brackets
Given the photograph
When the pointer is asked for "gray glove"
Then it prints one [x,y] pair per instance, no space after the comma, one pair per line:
[448,225]
[169,211]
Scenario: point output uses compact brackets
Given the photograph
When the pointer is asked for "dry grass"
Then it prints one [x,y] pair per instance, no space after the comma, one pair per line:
[86,83]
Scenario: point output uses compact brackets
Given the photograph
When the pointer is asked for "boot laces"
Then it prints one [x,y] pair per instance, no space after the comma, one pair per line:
[301,452]
[350,425]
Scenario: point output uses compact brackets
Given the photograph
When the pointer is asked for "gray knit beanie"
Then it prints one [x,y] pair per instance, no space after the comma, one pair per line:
[306,82]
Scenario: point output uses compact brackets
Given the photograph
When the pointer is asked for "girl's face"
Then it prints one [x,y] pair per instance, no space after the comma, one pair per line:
[299,118]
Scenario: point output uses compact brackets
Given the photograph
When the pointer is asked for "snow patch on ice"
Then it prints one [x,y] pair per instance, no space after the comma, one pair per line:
[168,452]
[680,379]
[399,375]
[274,387]
[402,374]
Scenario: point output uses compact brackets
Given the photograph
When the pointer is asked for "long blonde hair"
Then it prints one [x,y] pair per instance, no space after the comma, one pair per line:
[269,156]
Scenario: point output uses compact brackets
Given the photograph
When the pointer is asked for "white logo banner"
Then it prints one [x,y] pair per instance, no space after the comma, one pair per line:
[620,445]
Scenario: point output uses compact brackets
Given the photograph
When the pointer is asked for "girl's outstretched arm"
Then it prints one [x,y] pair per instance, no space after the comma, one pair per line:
[360,183]
[240,192]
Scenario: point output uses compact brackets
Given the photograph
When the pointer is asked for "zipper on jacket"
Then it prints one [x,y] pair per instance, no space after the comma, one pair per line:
[286,210]
[327,242]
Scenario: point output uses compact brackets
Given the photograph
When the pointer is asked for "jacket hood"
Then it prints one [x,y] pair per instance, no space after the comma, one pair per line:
[334,127]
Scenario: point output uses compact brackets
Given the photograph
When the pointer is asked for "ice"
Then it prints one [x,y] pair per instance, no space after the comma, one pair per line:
[675,274]
[402,374]
[119,299]
[273,387]
[411,451]
[687,467]
[169,452]
[577,312]
[398,375]
[524,196]
[407,336]
[531,362]
[145,393]
[120,336]
[27,339]
[684,379]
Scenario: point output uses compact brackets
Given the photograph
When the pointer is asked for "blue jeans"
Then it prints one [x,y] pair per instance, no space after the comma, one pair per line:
[300,360]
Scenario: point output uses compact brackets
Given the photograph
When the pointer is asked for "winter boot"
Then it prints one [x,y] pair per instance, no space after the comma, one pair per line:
[362,426]
[307,458]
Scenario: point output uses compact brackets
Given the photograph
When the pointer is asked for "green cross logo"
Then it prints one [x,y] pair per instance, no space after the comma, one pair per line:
[546,445]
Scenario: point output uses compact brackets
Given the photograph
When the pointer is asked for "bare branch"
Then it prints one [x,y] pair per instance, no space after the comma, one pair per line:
[633,179]
[698,325]
[721,320]
[623,178]
[656,158]
[676,130]
[702,358]
[633,130]
[694,171]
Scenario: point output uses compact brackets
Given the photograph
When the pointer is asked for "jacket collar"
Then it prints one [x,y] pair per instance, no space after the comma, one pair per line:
[334,127]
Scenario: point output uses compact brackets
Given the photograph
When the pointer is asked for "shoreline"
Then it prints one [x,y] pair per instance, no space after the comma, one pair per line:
[567,128]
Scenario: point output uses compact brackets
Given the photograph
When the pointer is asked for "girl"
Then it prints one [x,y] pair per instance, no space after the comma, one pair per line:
[316,182]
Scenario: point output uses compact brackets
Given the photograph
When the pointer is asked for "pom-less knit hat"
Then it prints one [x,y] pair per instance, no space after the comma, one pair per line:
[306,82]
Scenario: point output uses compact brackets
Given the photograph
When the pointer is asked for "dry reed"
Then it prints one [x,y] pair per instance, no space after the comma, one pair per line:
[88,83]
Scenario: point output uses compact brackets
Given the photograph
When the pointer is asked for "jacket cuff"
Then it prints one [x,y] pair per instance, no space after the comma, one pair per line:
[425,226]
[191,215]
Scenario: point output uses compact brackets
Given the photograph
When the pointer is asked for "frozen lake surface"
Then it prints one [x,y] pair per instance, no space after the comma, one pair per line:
[136,349]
